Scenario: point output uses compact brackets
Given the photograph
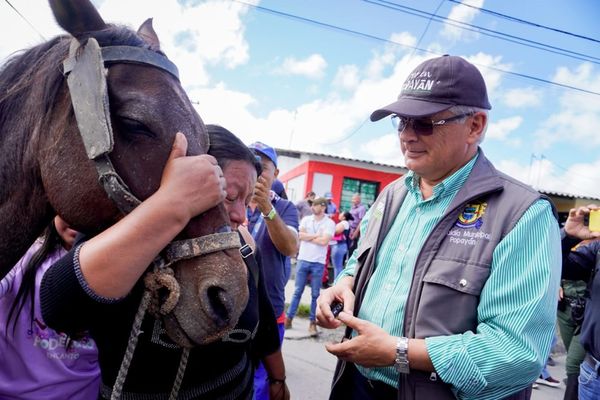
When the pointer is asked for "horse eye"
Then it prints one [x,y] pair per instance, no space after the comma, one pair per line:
[135,127]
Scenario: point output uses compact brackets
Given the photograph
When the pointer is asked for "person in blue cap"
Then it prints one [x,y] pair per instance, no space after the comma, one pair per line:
[273,223]
[331,206]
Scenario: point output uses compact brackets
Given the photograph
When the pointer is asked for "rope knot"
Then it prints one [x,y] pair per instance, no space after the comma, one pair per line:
[164,290]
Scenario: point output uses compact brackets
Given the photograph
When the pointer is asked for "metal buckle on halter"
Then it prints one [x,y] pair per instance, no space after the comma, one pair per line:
[246,251]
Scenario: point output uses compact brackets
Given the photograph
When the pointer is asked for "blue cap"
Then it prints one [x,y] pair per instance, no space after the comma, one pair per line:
[268,151]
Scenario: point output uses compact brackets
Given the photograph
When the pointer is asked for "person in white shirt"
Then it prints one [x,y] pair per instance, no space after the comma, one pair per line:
[315,233]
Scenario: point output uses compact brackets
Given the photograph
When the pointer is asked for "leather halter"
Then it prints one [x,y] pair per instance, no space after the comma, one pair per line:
[86,70]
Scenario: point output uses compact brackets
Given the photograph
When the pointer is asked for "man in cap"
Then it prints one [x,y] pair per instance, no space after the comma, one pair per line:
[316,231]
[273,222]
[331,206]
[452,291]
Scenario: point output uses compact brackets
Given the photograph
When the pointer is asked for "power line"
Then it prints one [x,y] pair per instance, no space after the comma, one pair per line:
[427,26]
[377,38]
[25,19]
[595,179]
[485,31]
[550,175]
[343,139]
[522,21]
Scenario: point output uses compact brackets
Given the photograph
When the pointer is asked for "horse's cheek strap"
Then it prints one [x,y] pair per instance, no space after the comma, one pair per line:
[89,96]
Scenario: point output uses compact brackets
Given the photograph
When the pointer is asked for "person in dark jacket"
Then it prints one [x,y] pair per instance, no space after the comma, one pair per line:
[456,262]
[583,264]
[221,369]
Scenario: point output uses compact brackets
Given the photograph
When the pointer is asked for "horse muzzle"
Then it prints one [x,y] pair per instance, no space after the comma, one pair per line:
[200,299]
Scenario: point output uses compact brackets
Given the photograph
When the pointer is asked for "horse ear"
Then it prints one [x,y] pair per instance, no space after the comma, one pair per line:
[77,16]
[147,33]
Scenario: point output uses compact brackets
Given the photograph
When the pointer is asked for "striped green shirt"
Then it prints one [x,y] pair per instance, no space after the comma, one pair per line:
[517,307]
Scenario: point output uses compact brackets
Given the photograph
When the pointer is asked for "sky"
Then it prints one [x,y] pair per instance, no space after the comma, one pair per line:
[306,75]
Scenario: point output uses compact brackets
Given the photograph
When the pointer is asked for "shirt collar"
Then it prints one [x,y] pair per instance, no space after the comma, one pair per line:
[447,187]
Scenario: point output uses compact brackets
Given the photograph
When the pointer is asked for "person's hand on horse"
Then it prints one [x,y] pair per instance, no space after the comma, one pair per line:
[262,195]
[193,184]
[340,292]
[575,226]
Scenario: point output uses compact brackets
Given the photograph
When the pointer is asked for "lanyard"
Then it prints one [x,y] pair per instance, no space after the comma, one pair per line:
[257,225]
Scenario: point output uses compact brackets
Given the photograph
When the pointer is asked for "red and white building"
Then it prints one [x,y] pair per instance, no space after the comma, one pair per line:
[302,172]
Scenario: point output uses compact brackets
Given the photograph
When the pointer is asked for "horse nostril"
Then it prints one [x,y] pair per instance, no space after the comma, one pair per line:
[216,296]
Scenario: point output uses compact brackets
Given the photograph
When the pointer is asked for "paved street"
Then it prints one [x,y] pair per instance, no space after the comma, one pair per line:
[309,367]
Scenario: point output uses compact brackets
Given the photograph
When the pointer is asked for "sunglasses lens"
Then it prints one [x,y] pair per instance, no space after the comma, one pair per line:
[399,123]
[422,127]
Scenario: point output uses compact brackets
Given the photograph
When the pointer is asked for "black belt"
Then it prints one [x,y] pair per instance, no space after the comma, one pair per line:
[592,362]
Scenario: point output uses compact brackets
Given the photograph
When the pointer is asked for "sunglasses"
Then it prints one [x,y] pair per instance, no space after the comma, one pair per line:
[423,127]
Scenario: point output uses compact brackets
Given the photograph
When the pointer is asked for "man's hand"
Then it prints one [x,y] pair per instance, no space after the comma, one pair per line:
[373,347]
[279,391]
[575,227]
[262,195]
[341,292]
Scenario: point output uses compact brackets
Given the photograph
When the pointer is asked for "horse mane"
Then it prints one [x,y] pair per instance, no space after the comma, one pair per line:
[32,90]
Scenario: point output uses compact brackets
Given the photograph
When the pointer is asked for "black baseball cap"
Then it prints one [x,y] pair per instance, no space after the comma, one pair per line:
[437,85]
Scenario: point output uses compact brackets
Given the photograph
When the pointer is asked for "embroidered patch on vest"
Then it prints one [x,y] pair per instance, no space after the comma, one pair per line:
[471,215]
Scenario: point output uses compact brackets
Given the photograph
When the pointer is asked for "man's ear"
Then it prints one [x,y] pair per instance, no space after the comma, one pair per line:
[276,173]
[477,127]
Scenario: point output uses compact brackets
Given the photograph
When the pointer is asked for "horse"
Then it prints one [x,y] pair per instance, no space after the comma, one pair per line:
[48,165]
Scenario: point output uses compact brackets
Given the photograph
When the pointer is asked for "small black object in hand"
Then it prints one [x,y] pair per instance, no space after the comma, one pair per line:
[336,308]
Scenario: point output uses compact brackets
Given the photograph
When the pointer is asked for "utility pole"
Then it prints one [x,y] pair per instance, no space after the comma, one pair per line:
[293,129]
[530,167]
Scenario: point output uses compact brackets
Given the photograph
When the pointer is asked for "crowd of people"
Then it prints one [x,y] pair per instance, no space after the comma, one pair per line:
[449,282]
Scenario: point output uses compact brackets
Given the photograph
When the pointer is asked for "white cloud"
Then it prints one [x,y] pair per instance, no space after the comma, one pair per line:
[578,116]
[501,129]
[461,14]
[210,32]
[346,77]
[40,16]
[492,76]
[522,97]
[389,54]
[312,67]
[543,174]
[386,150]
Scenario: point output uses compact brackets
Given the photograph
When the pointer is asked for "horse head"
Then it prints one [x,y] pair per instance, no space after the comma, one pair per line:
[146,106]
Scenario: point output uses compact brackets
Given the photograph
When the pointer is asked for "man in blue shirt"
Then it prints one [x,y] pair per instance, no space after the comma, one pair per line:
[331,209]
[452,291]
[273,222]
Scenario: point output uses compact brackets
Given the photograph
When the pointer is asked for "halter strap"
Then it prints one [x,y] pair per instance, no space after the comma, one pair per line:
[190,248]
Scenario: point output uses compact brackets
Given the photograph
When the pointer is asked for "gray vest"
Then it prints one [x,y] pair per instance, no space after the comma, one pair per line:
[452,266]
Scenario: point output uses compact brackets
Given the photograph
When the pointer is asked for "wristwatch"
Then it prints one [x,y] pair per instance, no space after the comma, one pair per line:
[271,215]
[401,361]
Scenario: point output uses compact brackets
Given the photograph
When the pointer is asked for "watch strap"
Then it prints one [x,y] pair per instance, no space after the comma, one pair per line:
[401,362]
[271,215]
